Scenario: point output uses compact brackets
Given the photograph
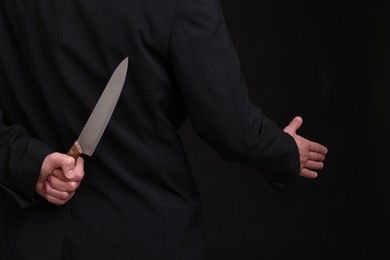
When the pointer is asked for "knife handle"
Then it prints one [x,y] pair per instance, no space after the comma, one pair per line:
[75,150]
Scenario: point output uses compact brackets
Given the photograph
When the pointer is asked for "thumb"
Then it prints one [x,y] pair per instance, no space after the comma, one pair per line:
[294,125]
[66,164]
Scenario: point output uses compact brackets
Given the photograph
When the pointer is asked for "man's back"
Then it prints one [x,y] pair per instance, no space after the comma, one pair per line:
[138,199]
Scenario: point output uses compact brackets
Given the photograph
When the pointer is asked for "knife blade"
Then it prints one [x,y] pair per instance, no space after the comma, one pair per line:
[101,114]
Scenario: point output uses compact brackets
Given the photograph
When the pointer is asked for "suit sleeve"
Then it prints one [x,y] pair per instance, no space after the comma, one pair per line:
[207,71]
[21,157]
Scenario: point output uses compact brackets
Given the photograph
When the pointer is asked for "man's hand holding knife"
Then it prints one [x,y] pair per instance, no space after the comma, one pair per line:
[61,174]
[60,177]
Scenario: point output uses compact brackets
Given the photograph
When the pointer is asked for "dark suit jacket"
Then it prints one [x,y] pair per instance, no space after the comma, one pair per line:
[138,199]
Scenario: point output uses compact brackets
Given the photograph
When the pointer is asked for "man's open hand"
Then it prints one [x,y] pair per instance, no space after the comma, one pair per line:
[311,154]
[59,178]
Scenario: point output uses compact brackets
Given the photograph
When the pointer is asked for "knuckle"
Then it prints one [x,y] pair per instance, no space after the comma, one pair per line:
[52,156]
[68,160]
[47,186]
[56,172]
[64,195]
[55,183]
[79,176]
[51,180]
[73,186]
[306,164]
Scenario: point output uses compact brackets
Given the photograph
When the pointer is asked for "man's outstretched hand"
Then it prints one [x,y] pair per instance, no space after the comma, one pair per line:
[59,178]
[311,154]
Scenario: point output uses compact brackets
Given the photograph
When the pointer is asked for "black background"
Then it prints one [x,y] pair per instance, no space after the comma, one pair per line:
[328,61]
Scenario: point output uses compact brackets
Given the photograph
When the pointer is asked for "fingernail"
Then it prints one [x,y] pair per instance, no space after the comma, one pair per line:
[70,174]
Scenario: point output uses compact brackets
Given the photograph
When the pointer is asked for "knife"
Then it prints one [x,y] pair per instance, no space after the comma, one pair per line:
[101,114]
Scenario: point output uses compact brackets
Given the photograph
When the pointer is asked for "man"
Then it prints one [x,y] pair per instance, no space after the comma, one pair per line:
[137,199]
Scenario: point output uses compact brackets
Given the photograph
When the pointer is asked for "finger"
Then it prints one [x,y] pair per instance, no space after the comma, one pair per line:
[57,201]
[67,165]
[77,175]
[75,172]
[308,173]
[60,185]
[319,157]
[61,195]
[51,162]
[79,170]
[294,125]
[316,147]
[60,160]
[60,175]
[68,168]
[313,165]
